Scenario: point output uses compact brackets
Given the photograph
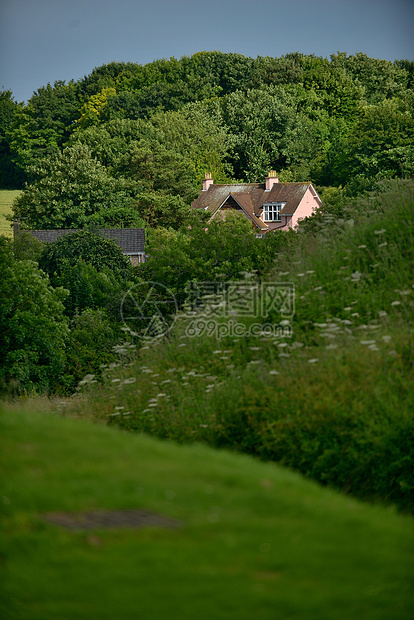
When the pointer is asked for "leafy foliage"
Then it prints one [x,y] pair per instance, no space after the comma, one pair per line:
[33,327]
[87,246]
[69,190]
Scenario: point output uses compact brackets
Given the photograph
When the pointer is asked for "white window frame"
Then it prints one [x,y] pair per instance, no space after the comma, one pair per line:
[271,211]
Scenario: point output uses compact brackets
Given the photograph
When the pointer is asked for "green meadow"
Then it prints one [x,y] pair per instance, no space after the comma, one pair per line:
[7,197]
[254,540]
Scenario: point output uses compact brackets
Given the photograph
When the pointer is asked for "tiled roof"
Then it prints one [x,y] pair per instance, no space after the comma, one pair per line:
[245,201]
[289,193]
[130,240]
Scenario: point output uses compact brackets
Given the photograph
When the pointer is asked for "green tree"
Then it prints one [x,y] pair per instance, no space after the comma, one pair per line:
[380,143]
[27,247]
[69,190]
[11,177]
[44,124]
[215,251]
[33,328]
[87,246]
[91,343]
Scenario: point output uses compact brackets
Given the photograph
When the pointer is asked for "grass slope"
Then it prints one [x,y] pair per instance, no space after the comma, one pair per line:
[258,541]
[7,197]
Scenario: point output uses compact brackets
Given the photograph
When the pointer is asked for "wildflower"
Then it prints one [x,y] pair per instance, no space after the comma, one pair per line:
[395,303]
[347,309]
[331,346]
[166,381]
[216,352]
[356,276]
[367,342]
[382,245]
[373,347]
[361,247]
[300,275]
[183,344]
[274,372]
[386,338]
[119,408]
[382,313]
[313,360]
[380,232]
[116,380]
[128,381]
[254,348]
[310,271]
[282,344]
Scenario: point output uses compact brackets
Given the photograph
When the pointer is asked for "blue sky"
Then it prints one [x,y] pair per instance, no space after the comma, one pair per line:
[46,40]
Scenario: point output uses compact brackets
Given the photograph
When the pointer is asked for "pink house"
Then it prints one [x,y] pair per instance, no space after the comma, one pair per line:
[270,205]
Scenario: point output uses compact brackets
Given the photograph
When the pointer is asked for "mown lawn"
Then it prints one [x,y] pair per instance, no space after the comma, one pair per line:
[6,200]
[256,540]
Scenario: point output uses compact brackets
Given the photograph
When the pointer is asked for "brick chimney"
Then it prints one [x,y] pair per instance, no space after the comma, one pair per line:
[271,179]
[16,228]
[207,181]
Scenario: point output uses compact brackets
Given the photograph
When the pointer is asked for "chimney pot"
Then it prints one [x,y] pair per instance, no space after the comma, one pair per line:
[271,179]
[207,181]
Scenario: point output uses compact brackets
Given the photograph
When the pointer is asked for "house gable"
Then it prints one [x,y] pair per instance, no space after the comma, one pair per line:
[294,201]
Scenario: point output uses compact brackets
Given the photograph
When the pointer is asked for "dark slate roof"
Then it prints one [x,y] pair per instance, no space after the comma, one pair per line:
[289,193]
[130,240]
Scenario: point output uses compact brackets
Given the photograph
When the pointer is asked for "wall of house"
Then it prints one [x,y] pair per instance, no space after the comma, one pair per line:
[306,207]
[136,259]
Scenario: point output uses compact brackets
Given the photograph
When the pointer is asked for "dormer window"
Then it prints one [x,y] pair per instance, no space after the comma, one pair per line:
[271,211]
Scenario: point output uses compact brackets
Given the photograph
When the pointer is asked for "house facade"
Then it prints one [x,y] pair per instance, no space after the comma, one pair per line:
[269,206]
[130,240]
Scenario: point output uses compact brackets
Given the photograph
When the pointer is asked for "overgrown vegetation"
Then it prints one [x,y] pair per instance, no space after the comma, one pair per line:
[333,398]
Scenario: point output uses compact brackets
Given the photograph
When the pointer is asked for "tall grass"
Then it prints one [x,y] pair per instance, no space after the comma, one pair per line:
[334,400]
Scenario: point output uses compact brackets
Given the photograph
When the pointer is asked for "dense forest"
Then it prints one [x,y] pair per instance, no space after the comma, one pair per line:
[154,129]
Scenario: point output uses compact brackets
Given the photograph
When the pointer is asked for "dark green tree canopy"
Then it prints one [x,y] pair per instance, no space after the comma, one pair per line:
[69,190]
[33,327]
[87,246]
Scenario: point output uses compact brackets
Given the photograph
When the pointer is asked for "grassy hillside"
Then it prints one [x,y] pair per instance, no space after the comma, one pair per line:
[334,399]
[6,200]
[254,541]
